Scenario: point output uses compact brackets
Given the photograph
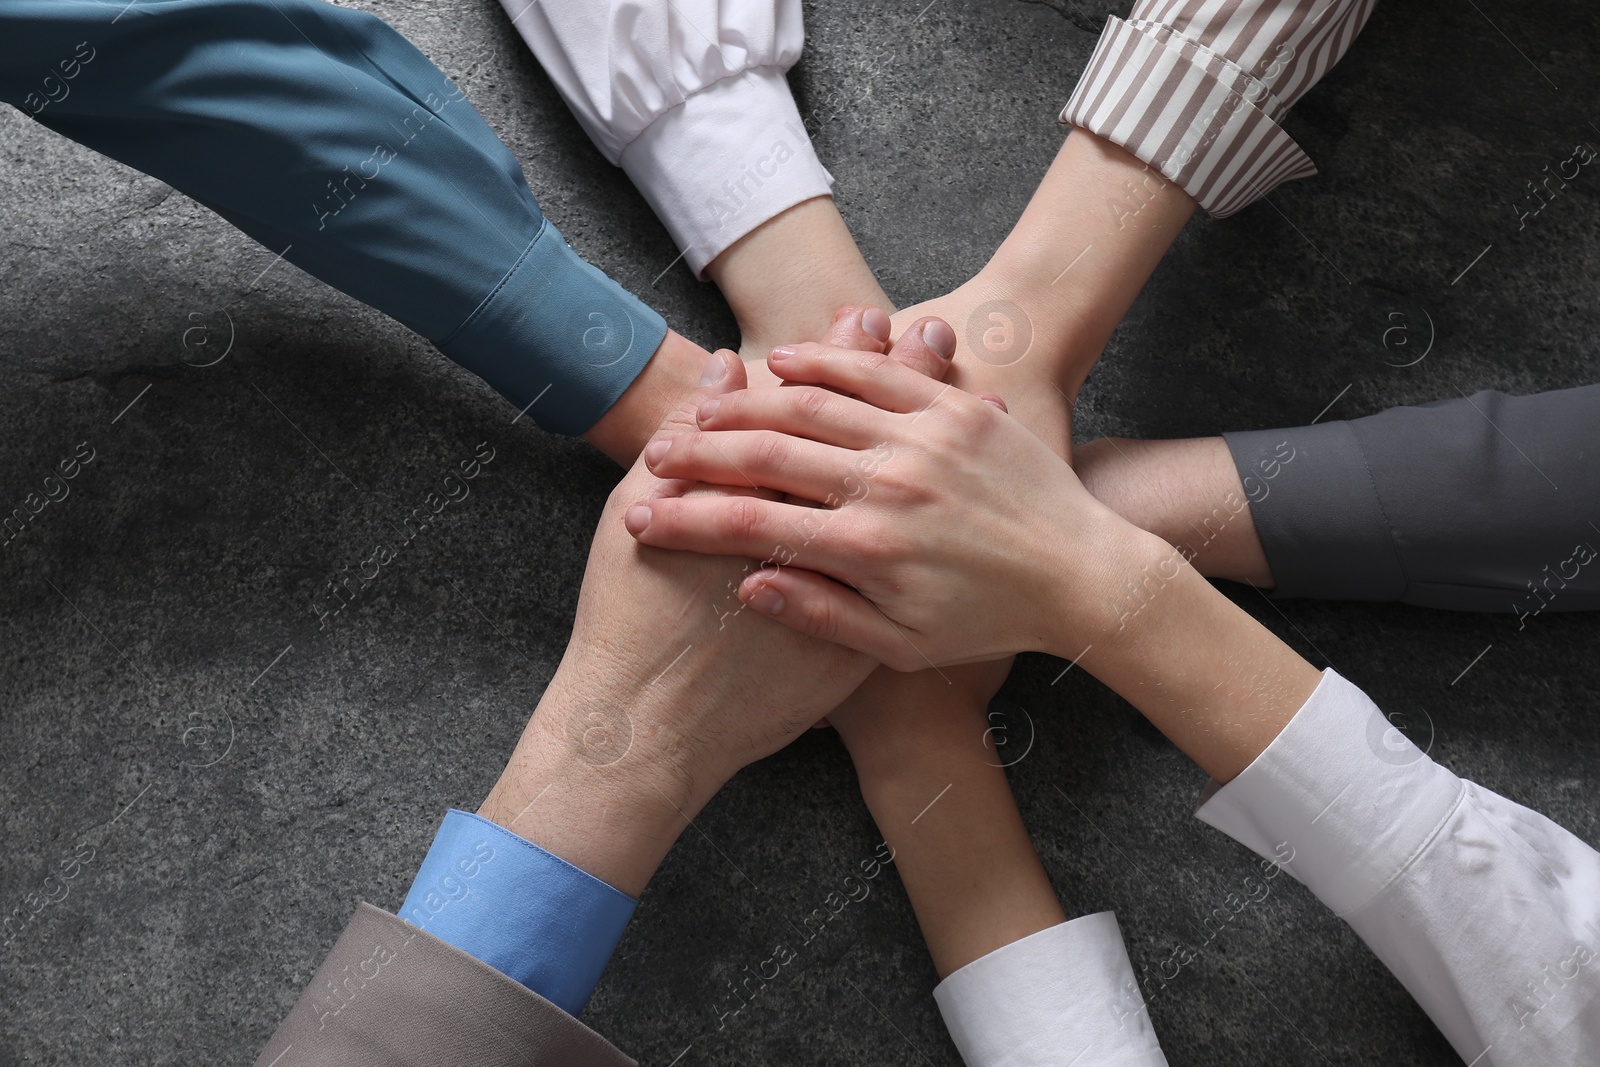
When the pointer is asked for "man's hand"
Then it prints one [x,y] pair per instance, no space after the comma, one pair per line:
[669,684]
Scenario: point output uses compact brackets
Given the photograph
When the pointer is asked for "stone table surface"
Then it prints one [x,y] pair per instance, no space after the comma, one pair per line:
[242,777]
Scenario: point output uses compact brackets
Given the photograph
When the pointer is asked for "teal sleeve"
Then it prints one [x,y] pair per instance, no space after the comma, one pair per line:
[325,135]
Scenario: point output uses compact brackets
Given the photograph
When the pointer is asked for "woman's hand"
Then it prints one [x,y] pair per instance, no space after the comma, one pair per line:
[949,533]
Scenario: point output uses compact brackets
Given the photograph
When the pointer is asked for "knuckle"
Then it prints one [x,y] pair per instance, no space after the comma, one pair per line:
[812,403]
[874,362]
[824,621]
[770,451]
[742,519]
[967,414]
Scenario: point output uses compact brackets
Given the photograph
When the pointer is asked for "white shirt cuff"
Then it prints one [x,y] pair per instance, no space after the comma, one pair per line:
[1341,799]
[727,159]
[1063,995]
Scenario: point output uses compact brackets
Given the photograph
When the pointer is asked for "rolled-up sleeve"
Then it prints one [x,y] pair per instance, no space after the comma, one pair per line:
[1196,89]
[690,99]
[325,135]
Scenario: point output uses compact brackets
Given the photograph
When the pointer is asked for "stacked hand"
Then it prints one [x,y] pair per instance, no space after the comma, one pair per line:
[955,531]
[669,685]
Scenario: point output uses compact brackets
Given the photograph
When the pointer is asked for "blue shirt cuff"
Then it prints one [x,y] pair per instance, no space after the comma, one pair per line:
[526,913]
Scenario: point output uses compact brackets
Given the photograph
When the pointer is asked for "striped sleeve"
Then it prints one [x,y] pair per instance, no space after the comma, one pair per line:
[1196,88]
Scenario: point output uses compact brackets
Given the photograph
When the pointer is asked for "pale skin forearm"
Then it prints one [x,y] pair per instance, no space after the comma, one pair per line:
[1217,683]
[1084,247]
[933,780]
[1186,492]
[786,278]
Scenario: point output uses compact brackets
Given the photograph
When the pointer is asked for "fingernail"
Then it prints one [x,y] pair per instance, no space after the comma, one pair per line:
[708,409]
[781,353]
[637,518]
[996,400]
[653,453]
[938,336]
[766,599]
[876,323]
[715,369]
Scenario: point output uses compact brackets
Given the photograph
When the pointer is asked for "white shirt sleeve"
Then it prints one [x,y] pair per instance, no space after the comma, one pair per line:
[688,97]
[1487,912]
[1065,995]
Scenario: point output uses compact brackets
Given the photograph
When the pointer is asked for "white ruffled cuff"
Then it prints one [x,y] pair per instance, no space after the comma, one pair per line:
[727,159]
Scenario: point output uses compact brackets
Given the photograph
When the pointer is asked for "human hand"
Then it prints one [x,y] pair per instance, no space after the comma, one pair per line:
[957,534]
[1003,348]
[668,686]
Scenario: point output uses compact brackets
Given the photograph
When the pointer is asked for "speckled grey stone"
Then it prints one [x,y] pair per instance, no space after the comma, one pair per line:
[242,778]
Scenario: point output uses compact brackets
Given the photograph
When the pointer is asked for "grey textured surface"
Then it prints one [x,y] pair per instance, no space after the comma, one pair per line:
[242,779]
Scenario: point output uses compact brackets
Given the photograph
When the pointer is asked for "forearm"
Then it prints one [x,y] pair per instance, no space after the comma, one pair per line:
[393,189]
[785,279]
[941,800]
[582,785]
[658,390]
[1087,242]
[1186,492]
[1217,683]
[1033,321]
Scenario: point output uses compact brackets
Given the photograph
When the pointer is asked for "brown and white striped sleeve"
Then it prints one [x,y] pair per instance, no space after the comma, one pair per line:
[1195,88]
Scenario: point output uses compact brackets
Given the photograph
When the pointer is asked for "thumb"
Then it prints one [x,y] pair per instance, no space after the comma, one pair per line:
[865,329]
[724,373]
[927,347]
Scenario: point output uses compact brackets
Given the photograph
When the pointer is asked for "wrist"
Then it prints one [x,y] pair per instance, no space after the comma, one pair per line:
[1065,334]
[664,382]
[1188,493]
[893,765]
[596,781]
[1097,581]
[785,279]
[1215,681]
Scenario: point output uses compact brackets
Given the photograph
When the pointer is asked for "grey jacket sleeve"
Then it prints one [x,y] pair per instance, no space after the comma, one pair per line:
[1482,503]
[390,995]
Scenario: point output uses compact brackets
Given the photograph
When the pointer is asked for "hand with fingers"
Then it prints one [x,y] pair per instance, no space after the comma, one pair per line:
[960,536]
[668,685]
[945,529]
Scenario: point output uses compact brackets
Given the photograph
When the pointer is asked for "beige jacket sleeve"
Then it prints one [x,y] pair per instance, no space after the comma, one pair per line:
[390,995]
